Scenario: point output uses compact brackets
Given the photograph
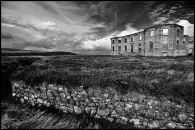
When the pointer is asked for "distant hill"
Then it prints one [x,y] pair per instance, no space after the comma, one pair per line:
[9,49]
[19,52]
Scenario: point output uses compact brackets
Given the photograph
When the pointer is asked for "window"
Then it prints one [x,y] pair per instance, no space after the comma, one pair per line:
[151,33]
[140,37]
[151,46]
[119,48]
[131,48]
[131,39]
[165,31]
[112,41]
[183,43]
[113,48]
[178,32]
[119,41]
[177,44]
[164,45]
[125,40]
[139,47]
[125,48]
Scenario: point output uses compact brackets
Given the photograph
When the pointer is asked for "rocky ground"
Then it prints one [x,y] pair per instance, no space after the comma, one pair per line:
[144,111]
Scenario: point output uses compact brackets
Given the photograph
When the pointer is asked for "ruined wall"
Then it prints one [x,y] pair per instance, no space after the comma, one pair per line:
[163,45]
[128,43]
[178,47]
[98,104]
[131,109]
[113,45]
[152,39]
[137,43]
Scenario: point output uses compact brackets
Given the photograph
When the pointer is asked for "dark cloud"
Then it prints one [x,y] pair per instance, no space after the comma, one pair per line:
[6,36]
[172,10]
[21,43]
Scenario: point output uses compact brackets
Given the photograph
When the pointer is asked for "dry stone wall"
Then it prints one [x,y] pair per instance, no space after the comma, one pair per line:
[144,112]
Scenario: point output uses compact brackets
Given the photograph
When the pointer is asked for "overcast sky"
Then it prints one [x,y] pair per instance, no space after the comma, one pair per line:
[85,27]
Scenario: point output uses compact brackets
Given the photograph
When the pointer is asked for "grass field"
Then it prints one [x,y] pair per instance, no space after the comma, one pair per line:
[169,77]
[162,77]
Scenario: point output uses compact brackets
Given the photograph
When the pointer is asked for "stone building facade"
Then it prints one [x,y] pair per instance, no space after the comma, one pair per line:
[159,40]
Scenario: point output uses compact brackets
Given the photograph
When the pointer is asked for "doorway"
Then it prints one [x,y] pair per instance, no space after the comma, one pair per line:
[151,46]
[132,48]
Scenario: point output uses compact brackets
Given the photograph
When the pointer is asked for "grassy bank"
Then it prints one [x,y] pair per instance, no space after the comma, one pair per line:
[168,77]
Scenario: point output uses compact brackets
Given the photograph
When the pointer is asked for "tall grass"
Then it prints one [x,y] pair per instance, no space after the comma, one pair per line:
[18,116]
[157,76]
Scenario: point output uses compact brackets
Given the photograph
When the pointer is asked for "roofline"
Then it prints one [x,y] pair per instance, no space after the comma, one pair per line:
[128,35]
[163,25]
[148,28]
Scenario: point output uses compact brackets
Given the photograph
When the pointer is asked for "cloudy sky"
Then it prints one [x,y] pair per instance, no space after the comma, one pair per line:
[85,27]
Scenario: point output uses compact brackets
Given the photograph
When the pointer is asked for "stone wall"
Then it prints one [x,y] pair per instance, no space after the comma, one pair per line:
[99,105]
[142,111]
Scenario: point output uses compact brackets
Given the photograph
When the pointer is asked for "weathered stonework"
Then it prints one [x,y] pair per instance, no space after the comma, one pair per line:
[159,40]
[126,109]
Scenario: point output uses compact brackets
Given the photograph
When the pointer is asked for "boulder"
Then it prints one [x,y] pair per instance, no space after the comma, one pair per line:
[145,123]
[87,110]
[62,95]
[60,89]
[25,97]
[22,100]
[13,94]
[182,117]
[110,119]
[93,111]
[45,102]
[136,106]
[119,106]
[71,101]
[129,106]
[43,95]
[154,124]
[48,104]
[50,86]
[70,109]
[124,118]
[111,106]
[171,125]
[103,112]
[63,108]
[136,121]
[105,95]
[77,110]
[39,101]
